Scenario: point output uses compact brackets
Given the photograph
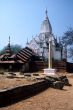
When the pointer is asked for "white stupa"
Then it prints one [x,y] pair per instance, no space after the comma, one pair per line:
[40,43]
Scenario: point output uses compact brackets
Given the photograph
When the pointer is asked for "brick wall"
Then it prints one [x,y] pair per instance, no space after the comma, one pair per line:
[12,95]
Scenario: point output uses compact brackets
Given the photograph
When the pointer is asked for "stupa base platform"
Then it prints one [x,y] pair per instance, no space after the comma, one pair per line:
[50,71]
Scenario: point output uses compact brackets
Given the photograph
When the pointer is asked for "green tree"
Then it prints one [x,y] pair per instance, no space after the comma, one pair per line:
[14,49]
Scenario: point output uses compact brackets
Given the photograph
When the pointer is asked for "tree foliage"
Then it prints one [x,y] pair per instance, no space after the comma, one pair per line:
[14,49]
[67,40]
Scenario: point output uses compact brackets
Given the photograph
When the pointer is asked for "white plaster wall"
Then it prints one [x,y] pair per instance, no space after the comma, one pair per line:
[64,53]
[57,55]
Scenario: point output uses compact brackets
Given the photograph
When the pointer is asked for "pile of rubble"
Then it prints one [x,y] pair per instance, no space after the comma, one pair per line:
[57,82]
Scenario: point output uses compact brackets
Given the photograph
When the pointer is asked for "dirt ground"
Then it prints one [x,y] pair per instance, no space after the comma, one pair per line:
[50,99]
[12,82]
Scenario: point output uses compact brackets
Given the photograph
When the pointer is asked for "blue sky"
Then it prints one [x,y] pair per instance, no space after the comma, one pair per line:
[21,19]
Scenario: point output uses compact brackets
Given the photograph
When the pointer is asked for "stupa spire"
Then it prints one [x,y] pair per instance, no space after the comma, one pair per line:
[46,14]
[9,39]
[8,49]
[46,26]
[27,41]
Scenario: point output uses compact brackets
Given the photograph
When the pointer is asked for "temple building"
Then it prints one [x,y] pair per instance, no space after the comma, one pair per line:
[40,43]
[22,61]
[35,55]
